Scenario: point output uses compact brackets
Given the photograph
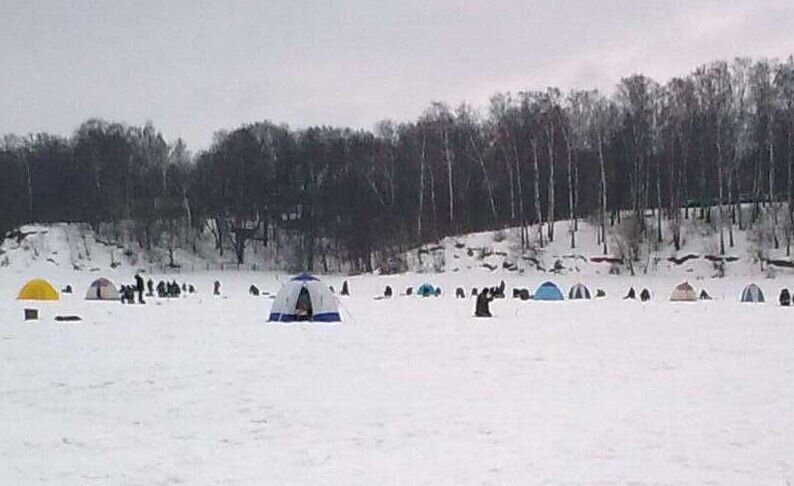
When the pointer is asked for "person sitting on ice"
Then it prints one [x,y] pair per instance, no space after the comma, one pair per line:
[600,293]
[482,308]
[216,288]
[345,288]
[191,289]
[631,295]
[303,308]
[645,295]
[161,290]
[150,288]
[474,291]
[704,295]
[460,293]
[409,291]
[253,290]
[67,289]
[437,292]
[785,298]
[123,294]
[387,292]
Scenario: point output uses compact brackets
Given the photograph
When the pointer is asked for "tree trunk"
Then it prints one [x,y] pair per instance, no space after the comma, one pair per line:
[550,146]
[448,158]
[536,183]
[602,166]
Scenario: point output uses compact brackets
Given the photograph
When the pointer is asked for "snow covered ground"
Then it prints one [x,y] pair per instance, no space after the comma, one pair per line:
[201,390]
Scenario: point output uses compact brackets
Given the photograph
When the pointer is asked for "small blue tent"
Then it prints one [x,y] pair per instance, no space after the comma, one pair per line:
[425,290]
[548,291]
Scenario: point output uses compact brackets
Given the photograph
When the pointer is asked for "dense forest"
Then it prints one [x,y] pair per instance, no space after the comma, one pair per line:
[695,147]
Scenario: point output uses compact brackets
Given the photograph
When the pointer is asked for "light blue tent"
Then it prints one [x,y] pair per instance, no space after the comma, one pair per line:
[548,291]
[425,290]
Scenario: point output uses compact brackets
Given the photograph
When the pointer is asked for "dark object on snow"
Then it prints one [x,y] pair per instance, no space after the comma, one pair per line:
[216,288]
[437,292]
[474,291]
[123,294]
[67,289]
[482,308]
[191,289]
[516,292]
[68,318]
[31,314]
[331,288]
[785,298]
[150,288]
[524,294]
[409,291]
[704,295]
[161,290]
[184,287]
[600,293]
[499,292]
[460,293]
[139,287]
[303,308]
[253,290]
[631,295]
[387,292]
[345,288]
[645,295]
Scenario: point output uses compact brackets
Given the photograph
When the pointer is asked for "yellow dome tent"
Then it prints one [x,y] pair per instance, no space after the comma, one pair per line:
[38,289]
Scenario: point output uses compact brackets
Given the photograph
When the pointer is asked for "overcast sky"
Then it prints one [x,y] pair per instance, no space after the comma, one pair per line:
[195,66]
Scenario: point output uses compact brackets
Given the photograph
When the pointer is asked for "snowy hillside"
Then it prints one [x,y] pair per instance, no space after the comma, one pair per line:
[500,252]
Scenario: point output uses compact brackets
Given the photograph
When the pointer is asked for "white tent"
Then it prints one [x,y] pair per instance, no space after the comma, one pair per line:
[753,294]
[579,291]
[324,306]
[684,293]
[102,289]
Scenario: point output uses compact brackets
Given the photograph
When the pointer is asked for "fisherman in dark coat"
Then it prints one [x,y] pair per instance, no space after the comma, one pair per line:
[216,288]
[645,295]
[482,308]
[139,287]
[345,288]
[150,288]
[387,292]
[631,295]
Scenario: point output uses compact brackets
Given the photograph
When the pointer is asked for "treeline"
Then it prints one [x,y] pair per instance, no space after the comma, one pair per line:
[707,142]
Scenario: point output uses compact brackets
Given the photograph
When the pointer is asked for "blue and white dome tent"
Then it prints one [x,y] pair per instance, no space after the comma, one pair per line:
[548,291]
[322,303]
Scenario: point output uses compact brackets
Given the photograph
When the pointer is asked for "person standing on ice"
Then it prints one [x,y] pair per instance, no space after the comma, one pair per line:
[139,287]
[482,307]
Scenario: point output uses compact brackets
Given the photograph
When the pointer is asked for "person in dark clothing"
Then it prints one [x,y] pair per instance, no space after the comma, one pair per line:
[123,294]
[253,290]
[483,302]
[785,298]
[645,295]
[161,290]
[387,292]
[631,295]
[474,291]
[191,289]
[345,288]
[216,288]
[600,293]
[459,293]
[409,291]
[184,287]
[139,287]
[303,308]
[175,286]
[437,292]
[704,295]
[150,288]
